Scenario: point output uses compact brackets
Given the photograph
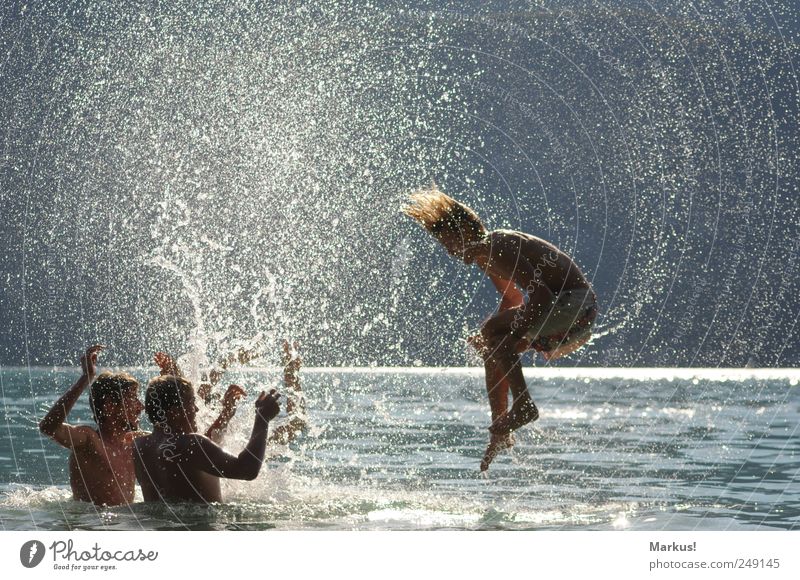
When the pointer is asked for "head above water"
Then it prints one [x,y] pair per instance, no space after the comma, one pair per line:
[170,402]
[453,224]
[114,399]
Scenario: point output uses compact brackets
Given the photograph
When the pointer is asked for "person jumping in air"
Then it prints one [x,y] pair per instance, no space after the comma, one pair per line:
[556,319]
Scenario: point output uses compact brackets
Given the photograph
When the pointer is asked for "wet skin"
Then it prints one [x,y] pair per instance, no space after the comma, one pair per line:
[175,463]
[101,460]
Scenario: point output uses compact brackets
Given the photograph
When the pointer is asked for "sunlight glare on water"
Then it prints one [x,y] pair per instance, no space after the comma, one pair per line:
[618,452]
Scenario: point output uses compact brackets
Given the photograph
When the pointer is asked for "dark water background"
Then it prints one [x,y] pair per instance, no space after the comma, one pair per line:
[188,171]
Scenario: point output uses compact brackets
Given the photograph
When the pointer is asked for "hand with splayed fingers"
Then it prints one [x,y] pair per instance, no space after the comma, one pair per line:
[89,360]
[245,355]
[167,364]
[267,407]
[242,356]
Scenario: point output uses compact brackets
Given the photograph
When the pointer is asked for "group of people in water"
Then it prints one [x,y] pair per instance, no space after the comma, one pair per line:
[547,305]
[176,462]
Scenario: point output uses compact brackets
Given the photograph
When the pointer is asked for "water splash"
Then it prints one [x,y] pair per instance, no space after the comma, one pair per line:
[259,155]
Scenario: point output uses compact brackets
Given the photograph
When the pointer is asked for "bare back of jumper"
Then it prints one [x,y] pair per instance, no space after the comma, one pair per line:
[102,472]
[517,255]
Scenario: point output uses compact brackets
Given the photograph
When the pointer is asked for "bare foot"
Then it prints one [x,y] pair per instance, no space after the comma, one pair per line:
[497,444]
[521,414]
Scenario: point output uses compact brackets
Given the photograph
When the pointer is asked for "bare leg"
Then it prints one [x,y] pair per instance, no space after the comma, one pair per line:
[504,334]
[523,409]
[497,387]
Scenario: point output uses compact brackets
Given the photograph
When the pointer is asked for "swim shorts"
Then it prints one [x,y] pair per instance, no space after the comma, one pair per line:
[570,320]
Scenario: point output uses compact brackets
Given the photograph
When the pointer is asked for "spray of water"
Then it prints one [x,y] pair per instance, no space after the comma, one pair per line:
[191,173]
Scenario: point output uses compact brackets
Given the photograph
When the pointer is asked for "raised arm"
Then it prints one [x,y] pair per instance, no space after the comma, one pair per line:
[295,403]
[53,424]
[167,365]
[241,355]
[292,361]
[229,401]
[214,375]
[202,453]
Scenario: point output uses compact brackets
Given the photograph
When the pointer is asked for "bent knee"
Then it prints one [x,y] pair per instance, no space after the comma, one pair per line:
[503,350]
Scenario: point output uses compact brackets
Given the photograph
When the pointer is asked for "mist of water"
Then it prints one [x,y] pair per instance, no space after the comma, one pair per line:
[187,174]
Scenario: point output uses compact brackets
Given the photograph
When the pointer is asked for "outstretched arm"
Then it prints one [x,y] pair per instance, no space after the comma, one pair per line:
[201,453]
[53,424]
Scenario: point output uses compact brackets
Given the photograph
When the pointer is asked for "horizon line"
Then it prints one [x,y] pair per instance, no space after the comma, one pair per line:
[551,371]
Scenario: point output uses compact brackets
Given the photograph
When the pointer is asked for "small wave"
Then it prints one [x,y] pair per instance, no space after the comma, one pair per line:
[24,496]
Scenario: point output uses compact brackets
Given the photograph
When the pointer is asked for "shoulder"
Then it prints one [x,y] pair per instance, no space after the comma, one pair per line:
[516,236]
[80,438]
[534,247]
[191,449]
[190,441]
[513,238]
[501,240]
[86,433]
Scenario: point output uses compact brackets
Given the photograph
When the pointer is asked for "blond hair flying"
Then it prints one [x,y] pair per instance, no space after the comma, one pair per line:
[439,213]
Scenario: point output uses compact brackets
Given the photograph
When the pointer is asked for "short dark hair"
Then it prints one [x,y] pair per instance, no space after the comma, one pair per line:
[109,386]
[163,393]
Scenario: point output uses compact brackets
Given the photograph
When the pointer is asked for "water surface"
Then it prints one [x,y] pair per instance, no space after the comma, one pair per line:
[399,449]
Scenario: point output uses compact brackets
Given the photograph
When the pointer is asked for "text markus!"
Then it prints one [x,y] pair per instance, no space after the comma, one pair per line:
[673,547]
